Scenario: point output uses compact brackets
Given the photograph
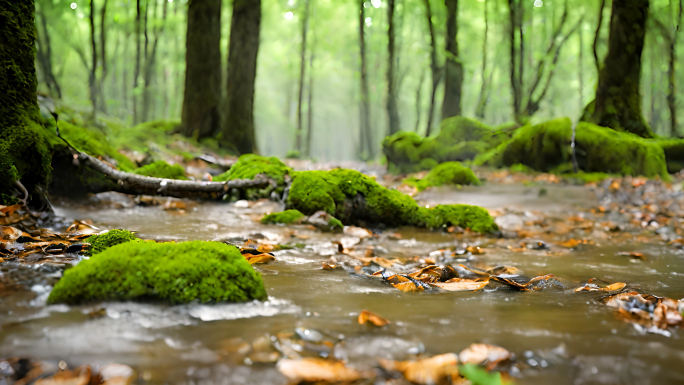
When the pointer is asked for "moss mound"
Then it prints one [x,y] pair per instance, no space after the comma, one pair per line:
[449,173]
[459,139]
[161,169]
[355,198]
[285,217]
[546,147]
[674,153]
[173,272]
[101,242]
[249,166]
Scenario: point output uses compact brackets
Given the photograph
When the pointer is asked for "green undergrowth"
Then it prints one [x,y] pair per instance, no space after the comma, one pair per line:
[546,147]
[459,139]
[93,142]
[161,169]
[171,272]
[287,217]
[101,242]
[449,173]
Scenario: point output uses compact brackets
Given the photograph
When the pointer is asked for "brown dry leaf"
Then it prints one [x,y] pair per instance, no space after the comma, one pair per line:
[10,215]
[78,376]
[576,242]
[366,317]
[484,354]
[317,369]
[83,227]
[173,204]
[408,287]
[8,233]
[433,370]
[633,254]
[358,232]
[645,309]
[462,284]
[593,287]
[329,266]
[258,258]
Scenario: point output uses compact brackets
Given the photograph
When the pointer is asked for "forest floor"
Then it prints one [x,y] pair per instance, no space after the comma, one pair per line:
[574,291]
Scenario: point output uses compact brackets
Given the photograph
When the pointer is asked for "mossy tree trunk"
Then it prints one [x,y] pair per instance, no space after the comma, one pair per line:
[453,69]
[238,127]
[200,116]
[392,110]
[24,154]
[618,101]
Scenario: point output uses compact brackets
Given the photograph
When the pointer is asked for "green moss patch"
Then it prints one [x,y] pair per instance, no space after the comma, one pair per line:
[546,147]
[94,143]
[101,242]
[172,272]
[355,198]
[674,153]
[459,139]
[285,217]
[449,173]
[249,166]
[161,169]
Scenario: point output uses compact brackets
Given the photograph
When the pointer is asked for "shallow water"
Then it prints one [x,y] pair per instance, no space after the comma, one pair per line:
[558,336]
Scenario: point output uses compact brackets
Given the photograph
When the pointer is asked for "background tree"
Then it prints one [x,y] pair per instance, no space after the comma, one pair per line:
[618,101]
[302,75]
[392,111]
[453,68]
[202,92]
[365,137]
[245,26]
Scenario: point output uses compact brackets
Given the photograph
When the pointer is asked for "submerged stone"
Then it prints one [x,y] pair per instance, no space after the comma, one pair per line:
[449,173]
[172,272]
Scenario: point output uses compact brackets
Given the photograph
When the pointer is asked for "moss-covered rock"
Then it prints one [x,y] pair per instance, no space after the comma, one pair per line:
[355,198]
[172,272]
[459,139]
[287,217]
[546,147]
[449,173]
[674,153]
[101,242]
[161,169]
[249,166]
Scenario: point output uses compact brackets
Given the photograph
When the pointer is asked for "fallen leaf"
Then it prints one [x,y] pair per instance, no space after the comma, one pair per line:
[475,250]
[83,227]
[484,354]
[358,232]
[633,254]
[366,317]
[433,370]
[258,258]
[462,284]
[593,287]
[317,369]
[78,376]
[329,266]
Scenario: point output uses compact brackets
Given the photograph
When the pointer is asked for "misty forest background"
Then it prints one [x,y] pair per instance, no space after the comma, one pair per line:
[128,59]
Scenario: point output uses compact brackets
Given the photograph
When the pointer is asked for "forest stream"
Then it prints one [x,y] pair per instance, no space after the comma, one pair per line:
[555,335]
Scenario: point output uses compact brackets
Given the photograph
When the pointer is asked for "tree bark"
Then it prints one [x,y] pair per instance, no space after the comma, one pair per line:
[201,117]
[151,57]
[238,129]
[92,81]
[434,66]
[482,99]
[453,69]
[597,33]
[309,120]
[302,75]
[618,100]
[136,72]
[392,110]
[44,53]
[103,58]
[515,14]
[419,92]
[365,139]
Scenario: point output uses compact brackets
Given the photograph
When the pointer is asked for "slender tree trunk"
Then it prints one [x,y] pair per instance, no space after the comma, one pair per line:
[136,73]
[434,67]
[103,57]
[201,117]
[618,100]
[419,92]
[302,76]
[124,74]
[238,130]
[482,100]
[453,69]
[151,61]
[655,118]
[580,67]
[309,120]
[392,110]
[597,33]
[365,140]
[92,81]
[45,58]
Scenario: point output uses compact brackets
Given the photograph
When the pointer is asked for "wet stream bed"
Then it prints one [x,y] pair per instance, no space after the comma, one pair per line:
[558,336]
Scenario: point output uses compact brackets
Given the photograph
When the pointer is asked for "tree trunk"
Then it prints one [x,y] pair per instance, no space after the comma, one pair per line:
[392,110]
[151,56]
[302,75]
[516,66]
[238,130]
[453,69]
[92,81]
[103,58]
[309,120]
[482,100]
[45,58]
[136,72]
[365,139]
[618,100]
[434,67]
[419,92]
[201,117]
[597,33]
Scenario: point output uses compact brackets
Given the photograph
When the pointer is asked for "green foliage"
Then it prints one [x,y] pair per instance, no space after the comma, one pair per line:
[459,139]
[285,217]
[161,169]
[99,243]
[449,173]
[249,166]
[293,154]
[479,376]
[93,143]
[355,198]
[172,272]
